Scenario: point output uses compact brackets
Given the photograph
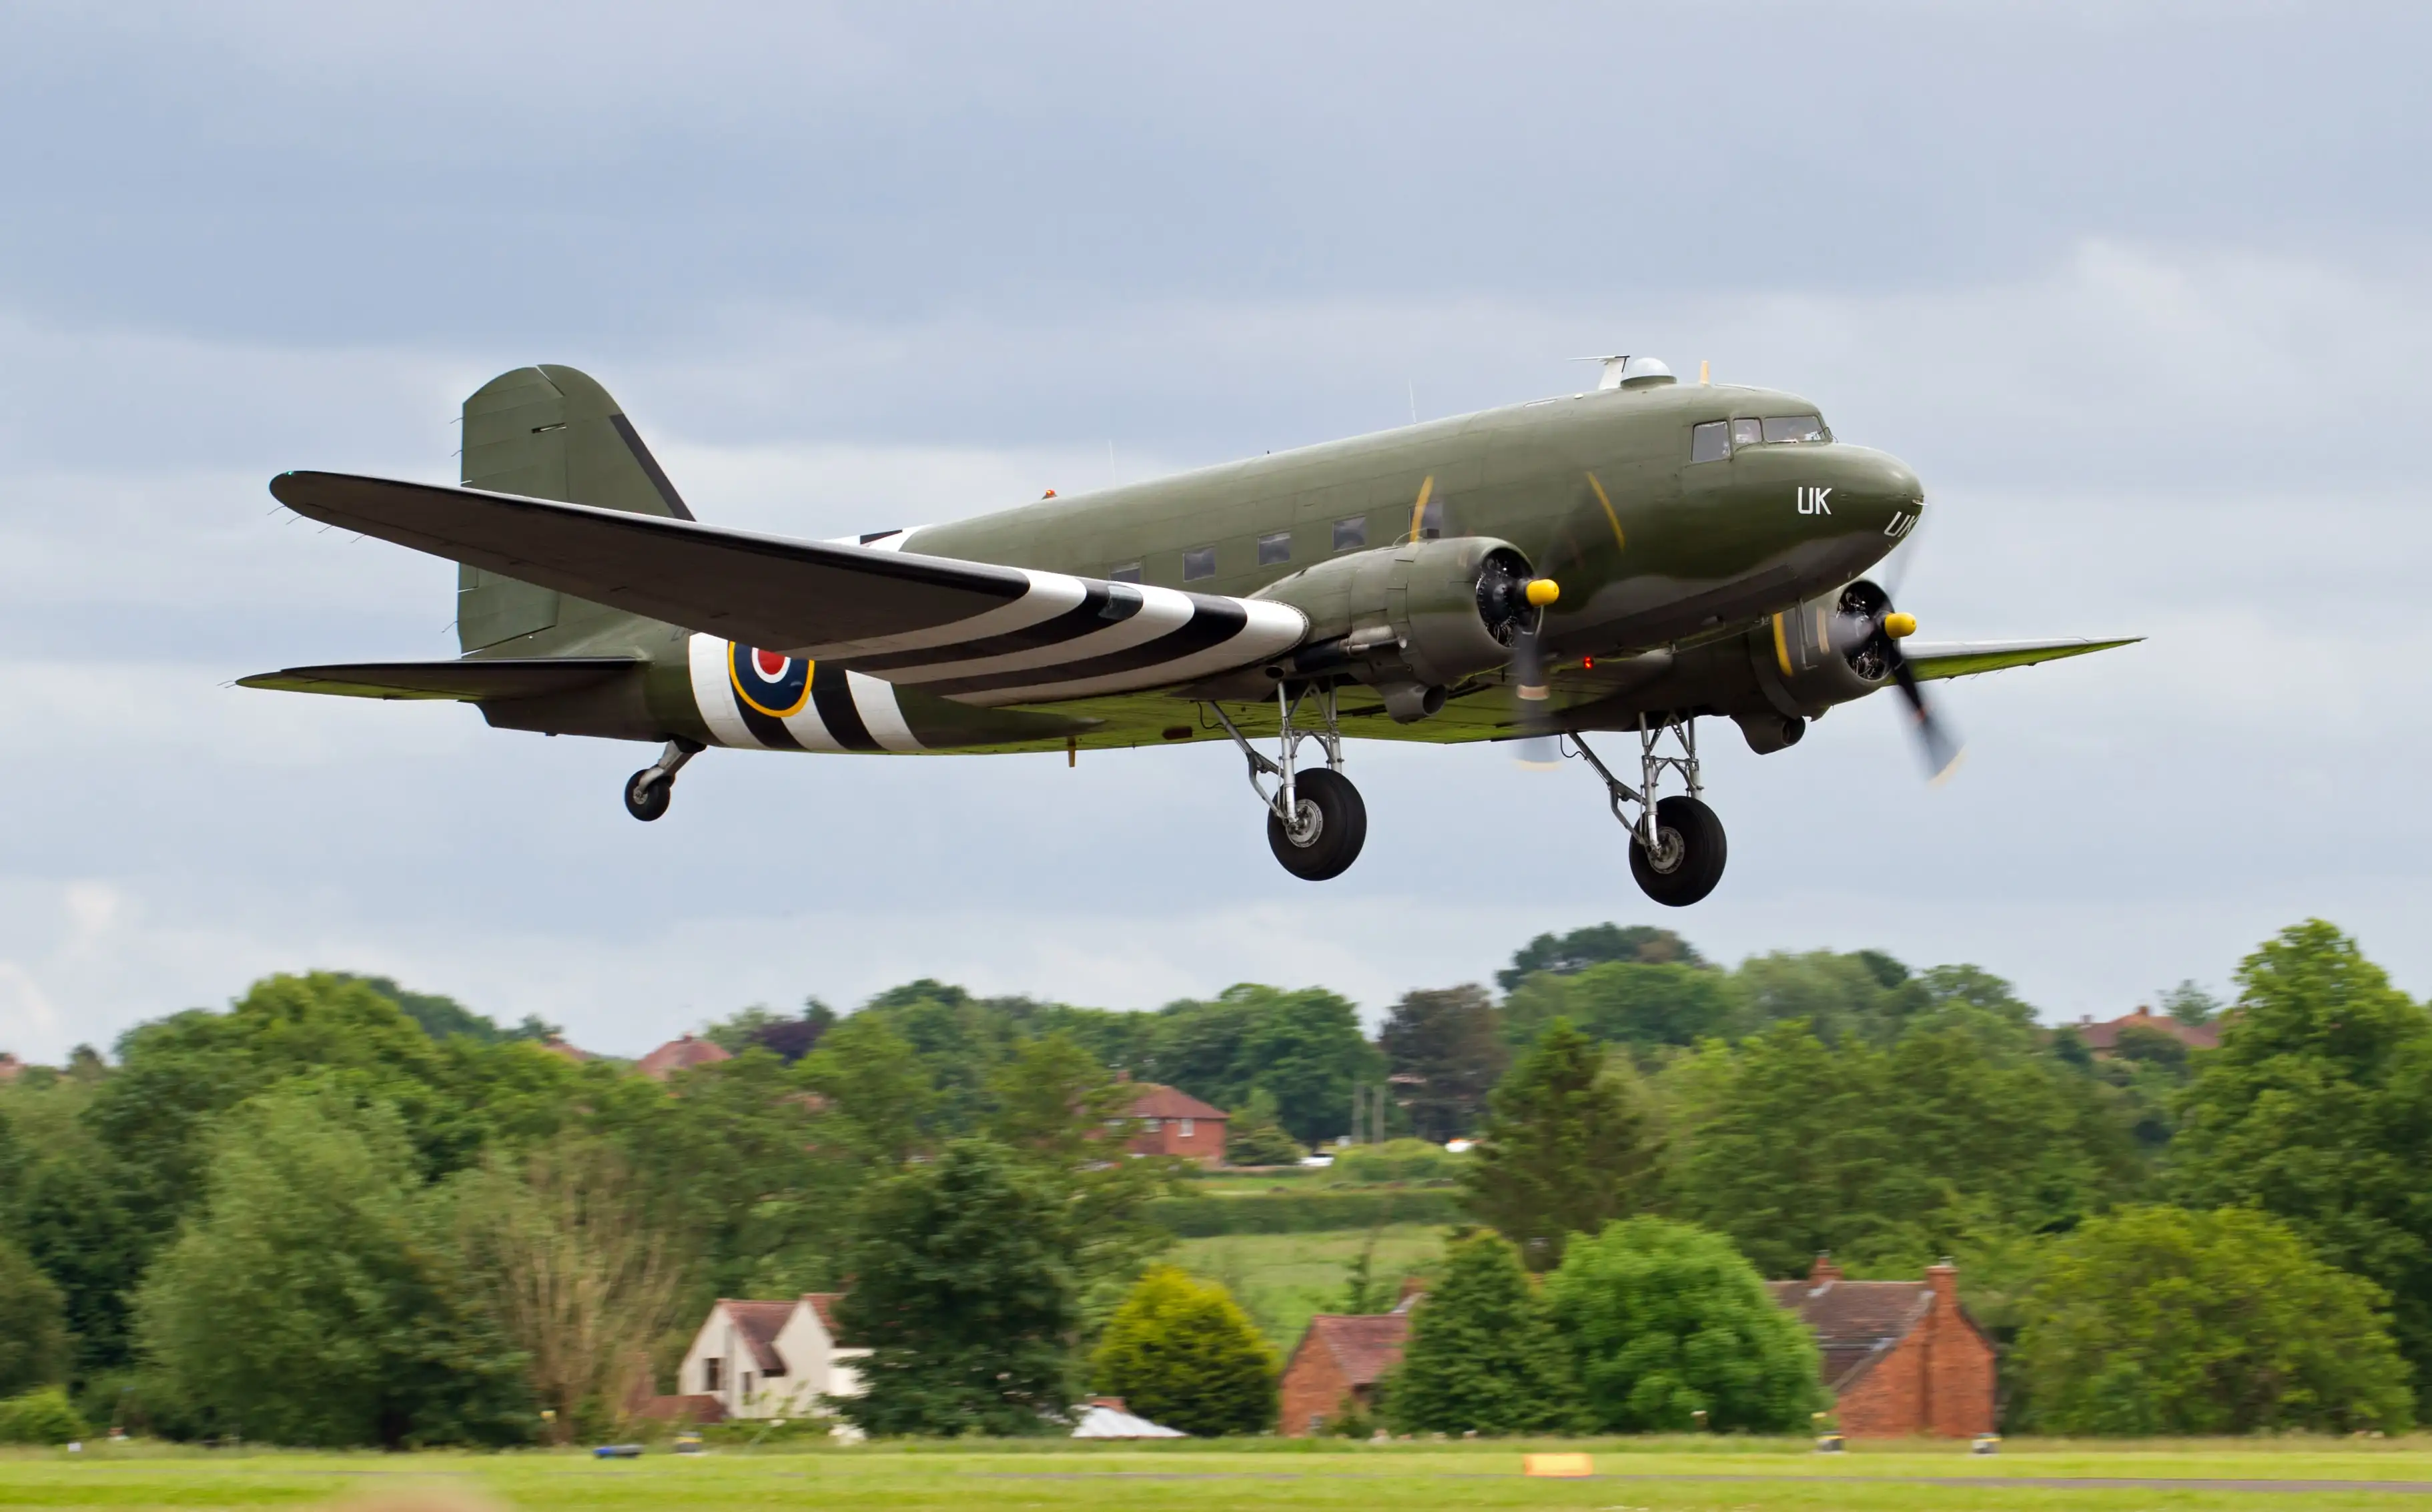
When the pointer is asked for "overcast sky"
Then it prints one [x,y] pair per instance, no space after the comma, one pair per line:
[2141,292]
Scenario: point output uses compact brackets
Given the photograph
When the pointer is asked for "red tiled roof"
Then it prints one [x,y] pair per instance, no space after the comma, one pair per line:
[1854,1322]
[1364,1347]
[679,1054]
[824,1303]
[2105,1036]
[759,1324]
[1156,1100]
[572,1052]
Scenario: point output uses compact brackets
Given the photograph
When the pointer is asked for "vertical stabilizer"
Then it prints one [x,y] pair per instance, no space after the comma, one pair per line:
[549,433]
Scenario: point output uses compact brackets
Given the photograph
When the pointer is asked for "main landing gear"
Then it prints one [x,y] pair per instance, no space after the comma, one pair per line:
[1676,844]
[649,791]
[1316,821]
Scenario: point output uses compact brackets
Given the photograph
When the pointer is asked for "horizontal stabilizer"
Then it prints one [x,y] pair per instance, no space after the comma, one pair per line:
[1966,658]
[467,681]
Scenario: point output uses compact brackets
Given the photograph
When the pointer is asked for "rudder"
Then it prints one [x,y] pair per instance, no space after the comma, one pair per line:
[548,431]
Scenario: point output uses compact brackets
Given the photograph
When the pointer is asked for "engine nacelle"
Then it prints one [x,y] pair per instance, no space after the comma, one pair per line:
[1410,620]
[1809,659]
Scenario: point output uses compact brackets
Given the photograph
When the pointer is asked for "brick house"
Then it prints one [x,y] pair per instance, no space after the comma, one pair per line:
[2104,1038]
[1167,1122]
[1340,1357]
[1901,1357]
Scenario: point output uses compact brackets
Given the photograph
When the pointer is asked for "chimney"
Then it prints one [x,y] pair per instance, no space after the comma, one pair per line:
[1823,1270]
[1944,1278]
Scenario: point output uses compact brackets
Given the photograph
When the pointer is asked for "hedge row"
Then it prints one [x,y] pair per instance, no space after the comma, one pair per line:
[1201,1218]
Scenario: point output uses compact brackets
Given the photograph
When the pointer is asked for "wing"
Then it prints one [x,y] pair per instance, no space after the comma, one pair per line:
[1966,658]
[467,681]
[971,631]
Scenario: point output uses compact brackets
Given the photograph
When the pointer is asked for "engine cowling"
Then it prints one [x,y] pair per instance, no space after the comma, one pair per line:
[1410,619]
[1816,655]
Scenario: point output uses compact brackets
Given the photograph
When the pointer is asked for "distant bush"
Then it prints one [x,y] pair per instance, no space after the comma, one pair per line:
[1399,1160]
[1203,1217]
[43,1416]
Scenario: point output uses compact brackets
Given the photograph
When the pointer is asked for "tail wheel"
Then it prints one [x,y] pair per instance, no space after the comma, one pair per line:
[648,793]
[1688,856]
[1331,825]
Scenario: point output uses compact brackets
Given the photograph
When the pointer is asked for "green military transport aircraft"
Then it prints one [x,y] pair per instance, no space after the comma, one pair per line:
[1626,560]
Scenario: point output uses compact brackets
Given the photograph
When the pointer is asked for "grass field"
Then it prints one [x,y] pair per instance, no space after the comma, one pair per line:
[1281,1279]
[1658,1475]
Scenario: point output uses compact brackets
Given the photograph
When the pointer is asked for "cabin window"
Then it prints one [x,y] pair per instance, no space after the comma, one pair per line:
[1274,547]
[1796,428]
[1197,563]
[1350,535]
[1748,433]
[1128,572]
[1430,518]
[1710,442]
[709,1373]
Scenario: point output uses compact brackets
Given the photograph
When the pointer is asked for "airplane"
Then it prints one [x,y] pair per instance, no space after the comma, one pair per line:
[1626,560]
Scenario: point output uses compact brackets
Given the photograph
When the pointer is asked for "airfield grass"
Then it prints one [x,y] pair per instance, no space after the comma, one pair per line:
[1282,1278]
[1657,1474]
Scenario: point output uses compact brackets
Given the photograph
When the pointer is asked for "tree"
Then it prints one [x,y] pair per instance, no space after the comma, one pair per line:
[963,1292]
[315,1299]
[562,1252]
[1862,997]
[1593,945]
[2318,1108]
[1665,1320]
[43,1416]
[34,1350]
[1624,1003]
[1483,1356]
[2190,1003]
[2160,1320]
[1253,1137]
[1568,1148]
[1181,1353]
[1306,1048]
[1447,1041]
[878,1095]
[442,1018]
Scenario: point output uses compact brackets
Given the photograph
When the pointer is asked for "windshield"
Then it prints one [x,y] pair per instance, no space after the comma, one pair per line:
[1796,428]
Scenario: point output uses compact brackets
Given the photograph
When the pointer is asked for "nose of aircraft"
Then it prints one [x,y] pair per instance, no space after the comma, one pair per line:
[1876,485]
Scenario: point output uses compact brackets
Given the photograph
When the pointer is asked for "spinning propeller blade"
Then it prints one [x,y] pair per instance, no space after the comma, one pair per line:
[1539,750]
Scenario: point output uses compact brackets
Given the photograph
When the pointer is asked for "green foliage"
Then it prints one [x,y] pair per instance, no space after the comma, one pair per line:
[879,1094]
[318,1236]
[2160,1320]
[1180,1352]
[1302,1048]
[964,1292]
[1254,1137]
[1595,945]
[1201,1218]
[43,1416]
[443,1018]
[1394,1160]
[1448,1040]
[2190,1004]
[1624,1003]
[1483,1356]
[1571,1146]
[1964,1124]
[1665,1320]
[2318,1108]
[33,1327]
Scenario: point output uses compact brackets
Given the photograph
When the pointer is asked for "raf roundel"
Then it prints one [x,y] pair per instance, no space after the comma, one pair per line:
[775,685]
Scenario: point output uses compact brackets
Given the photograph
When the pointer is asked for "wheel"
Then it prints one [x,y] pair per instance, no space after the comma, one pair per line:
[1689,855]
[648,793]
[1333,823]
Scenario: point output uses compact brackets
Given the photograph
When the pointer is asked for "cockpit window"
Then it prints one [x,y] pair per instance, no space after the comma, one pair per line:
[1796,428]
[1747,432]
[1707,442]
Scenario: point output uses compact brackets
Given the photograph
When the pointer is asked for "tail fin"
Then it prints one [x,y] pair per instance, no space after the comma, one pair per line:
[550,432]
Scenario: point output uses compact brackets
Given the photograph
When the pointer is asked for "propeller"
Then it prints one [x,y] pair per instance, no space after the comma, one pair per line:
[1870,632]
[1529,680]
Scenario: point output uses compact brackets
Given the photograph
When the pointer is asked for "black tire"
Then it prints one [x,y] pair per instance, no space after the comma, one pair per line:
[1342,826]
[646,799]
[1695,866]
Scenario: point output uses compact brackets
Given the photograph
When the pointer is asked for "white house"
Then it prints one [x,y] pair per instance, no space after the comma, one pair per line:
[771,1359]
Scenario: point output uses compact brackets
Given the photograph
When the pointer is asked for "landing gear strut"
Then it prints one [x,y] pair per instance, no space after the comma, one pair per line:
[649,791]
[1677,848]
[1316,821]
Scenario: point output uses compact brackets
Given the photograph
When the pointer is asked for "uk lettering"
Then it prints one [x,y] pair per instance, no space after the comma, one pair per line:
[1812,501]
